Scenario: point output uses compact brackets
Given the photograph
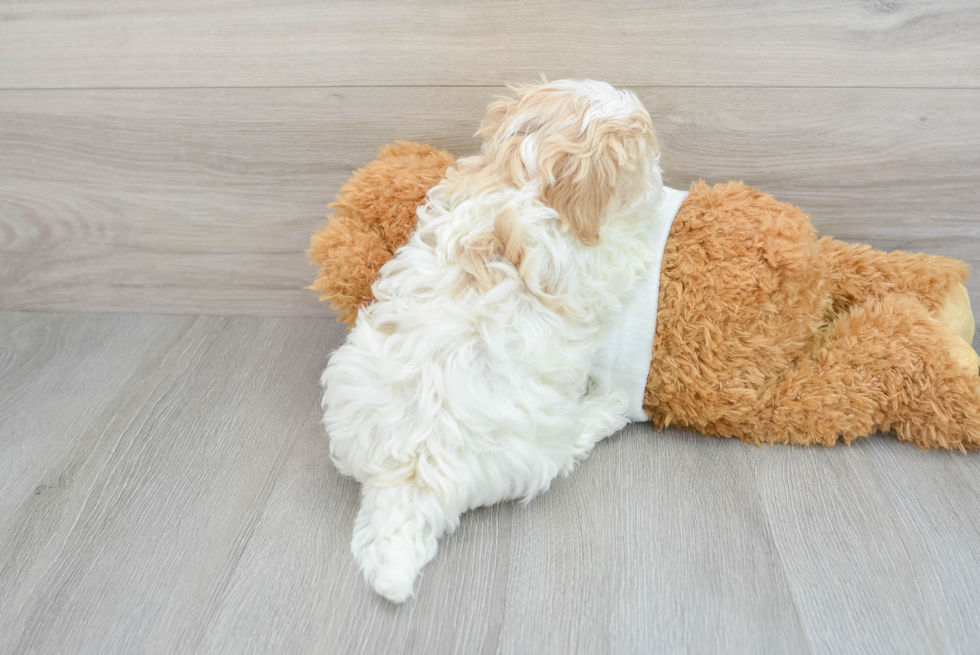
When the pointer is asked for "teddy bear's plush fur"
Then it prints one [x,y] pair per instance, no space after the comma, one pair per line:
[374,216]
[764,332]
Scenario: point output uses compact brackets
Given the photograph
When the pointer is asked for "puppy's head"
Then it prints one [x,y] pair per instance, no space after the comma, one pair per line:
[589,148]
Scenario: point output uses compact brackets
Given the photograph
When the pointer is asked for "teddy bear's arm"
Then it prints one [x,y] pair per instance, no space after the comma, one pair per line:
[375,215]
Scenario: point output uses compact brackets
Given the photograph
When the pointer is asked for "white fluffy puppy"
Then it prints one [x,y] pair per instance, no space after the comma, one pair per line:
[466,382]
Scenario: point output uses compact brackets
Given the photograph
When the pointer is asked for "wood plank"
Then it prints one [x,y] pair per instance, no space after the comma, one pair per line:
[191,201]
[144,514]
[57,375]
[98,43]
[657,544]
[879,543]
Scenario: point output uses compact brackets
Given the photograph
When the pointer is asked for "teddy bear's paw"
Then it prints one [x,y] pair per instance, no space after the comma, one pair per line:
[963,354]
[956,315]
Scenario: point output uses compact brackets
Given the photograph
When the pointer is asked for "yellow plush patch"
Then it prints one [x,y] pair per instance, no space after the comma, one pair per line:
[957,315]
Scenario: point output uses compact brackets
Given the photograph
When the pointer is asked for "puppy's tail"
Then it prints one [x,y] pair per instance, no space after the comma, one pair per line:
[396,533]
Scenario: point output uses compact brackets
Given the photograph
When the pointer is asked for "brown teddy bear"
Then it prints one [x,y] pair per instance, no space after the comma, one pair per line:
[763,331]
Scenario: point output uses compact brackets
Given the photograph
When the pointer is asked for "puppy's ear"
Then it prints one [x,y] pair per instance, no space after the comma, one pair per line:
[578,195]
[581,176]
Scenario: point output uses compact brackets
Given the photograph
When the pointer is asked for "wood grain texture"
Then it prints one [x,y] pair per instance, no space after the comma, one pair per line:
[181,43]
[203,200]
[194,509]
[56,376]
[145,512]
[862,531]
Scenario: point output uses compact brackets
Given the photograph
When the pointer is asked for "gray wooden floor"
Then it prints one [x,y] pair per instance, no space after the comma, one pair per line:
[164,481]
[165,487]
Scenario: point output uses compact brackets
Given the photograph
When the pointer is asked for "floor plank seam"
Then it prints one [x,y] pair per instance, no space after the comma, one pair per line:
[14,89]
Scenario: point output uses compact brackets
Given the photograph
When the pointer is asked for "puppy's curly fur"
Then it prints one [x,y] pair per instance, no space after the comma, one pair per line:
[466,382]
[764,332]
